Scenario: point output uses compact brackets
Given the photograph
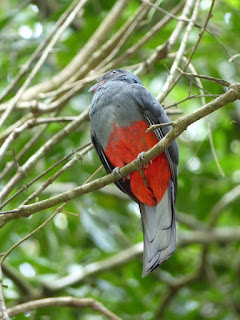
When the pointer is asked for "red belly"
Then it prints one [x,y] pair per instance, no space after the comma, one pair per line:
[124,146]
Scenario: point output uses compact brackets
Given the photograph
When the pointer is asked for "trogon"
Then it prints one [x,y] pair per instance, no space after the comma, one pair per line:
[121,111]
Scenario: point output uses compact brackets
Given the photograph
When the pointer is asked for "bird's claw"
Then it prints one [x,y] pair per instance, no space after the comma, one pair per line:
[140,157]
[116,172]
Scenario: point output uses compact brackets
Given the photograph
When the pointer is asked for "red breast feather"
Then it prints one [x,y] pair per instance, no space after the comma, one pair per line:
[125,144]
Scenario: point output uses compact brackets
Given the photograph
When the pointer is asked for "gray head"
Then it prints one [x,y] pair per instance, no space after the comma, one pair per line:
[115,75]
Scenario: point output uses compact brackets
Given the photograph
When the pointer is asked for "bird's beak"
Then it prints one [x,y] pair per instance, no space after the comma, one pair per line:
[96,86]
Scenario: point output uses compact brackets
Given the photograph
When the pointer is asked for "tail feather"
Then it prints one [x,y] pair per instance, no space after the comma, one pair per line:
[159,231]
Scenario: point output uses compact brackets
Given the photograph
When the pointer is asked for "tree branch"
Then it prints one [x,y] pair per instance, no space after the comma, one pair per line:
[24,169]
[156,28]
[163,49]
[78,156]
[43,57]
[224,202]
[172,75]
[25,68]
[80,59]
[21,283]
[218,235]
[63,302]
[3,310]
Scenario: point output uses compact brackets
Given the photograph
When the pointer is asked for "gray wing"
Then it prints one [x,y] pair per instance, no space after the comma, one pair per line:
[158,222]
[154,113]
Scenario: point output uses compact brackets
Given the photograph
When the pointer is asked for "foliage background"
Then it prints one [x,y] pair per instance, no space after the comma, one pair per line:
[107,222]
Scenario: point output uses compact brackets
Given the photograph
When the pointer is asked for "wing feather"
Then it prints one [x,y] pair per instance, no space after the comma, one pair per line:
[154,113]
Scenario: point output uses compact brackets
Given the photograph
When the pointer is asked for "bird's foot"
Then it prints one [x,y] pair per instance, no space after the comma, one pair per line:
[116,172]
[140,157]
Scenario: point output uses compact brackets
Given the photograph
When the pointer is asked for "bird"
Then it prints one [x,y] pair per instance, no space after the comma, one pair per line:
[122,110]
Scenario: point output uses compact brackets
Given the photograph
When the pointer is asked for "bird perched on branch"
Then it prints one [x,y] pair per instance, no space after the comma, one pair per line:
[121,111]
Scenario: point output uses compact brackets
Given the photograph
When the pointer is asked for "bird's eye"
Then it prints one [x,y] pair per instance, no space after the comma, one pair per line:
[114,71]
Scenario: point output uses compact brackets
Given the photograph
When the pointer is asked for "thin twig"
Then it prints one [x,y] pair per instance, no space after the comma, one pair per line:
[59,209]
[94,174]
[68,86]
[166,13]
[51,179]
[135,19]
[208,122]
[160,125]
[15,125]
[171,78]
[29,124]
[213,148]
[216,80]
[209,16]
[234,57]
[195,96]
[163,49]
[10,165]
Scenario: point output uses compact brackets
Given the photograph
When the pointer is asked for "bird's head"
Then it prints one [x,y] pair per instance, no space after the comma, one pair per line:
[115,75]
